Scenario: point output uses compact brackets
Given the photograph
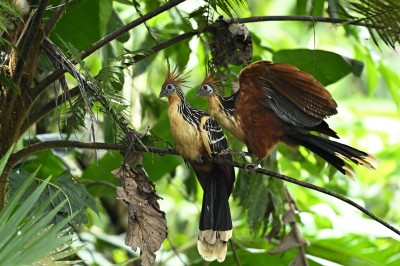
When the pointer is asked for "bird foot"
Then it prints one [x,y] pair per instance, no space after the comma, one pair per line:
[242,154]
[251,167]
[200,159]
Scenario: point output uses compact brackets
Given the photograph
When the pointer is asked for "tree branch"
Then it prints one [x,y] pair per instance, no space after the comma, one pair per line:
[107,39]
[57,73]
[305,19]
[18,156]
[50,106]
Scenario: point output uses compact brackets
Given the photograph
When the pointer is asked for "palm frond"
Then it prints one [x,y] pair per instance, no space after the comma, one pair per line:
[8,13]
[92,89]
[27,235]
[382,18]
[228,6]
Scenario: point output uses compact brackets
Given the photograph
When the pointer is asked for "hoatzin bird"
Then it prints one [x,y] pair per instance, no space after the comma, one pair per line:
[278,102]
[196,136]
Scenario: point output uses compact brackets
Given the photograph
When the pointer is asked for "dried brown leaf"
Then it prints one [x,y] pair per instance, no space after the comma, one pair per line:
[147,226]
[300,260]
[291,240]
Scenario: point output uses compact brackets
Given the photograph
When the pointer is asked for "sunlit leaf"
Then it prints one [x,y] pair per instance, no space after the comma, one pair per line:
[326,67]
[77,196]
[89,16]
[392,80]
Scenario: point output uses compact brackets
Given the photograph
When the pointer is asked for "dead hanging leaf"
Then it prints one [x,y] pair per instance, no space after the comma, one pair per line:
[291,240]
[147,226]
[300,260]
[231,43]
[294,239]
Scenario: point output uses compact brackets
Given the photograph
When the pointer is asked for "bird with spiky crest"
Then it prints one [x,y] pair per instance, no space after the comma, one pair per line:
[198,136]
[278,102]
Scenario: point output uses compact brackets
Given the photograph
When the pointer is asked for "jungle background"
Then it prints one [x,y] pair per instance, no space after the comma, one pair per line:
[110,91]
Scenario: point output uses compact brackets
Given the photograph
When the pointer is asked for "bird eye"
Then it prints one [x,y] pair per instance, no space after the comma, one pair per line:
[170,87]
[207,88]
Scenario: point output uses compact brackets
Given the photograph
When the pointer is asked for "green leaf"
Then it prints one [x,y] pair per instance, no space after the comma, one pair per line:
[326,67]
[301,7]
[115,22]
[392,80]
[12,203]
[83,23]
[47,161]
[228,6]
[157,166]
[9,229]
[355,250]
[371,74]
[99,176]
[4,159]
[76,195]
[317,8]
[26,232]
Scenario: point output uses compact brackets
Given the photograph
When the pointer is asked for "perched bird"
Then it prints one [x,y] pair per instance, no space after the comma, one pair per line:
[278,102]
[198,136]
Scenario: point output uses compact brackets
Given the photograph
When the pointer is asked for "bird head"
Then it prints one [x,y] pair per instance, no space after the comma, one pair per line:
[210,86]
[173,81]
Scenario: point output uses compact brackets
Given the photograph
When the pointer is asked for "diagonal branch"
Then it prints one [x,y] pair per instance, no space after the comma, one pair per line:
[49,107]
[20,155]
[107,39]
[52,104]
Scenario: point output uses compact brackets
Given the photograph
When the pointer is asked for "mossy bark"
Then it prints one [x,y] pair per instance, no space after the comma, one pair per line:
[15,91]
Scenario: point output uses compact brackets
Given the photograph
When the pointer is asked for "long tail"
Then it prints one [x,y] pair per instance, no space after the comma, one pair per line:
[335,153]
[215,227]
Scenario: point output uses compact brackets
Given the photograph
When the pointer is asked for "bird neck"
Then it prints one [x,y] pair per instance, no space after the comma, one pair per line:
[227,103]
[179,106]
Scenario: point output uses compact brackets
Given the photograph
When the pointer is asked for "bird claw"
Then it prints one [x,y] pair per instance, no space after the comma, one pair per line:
[200,159]
[251,167]
[224,152]
[242,154]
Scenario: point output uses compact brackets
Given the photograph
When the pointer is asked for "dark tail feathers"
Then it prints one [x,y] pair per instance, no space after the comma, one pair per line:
[215,228]
[335,153]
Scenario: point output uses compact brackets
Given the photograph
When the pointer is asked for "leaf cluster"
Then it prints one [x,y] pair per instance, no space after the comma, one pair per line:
[383,19]
[28,232]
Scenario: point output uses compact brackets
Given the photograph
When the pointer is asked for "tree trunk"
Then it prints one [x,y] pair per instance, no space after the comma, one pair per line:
[16,90]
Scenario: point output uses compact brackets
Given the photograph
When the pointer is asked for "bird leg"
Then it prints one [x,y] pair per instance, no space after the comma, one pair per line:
[242,154]
[252,167]
[200,159]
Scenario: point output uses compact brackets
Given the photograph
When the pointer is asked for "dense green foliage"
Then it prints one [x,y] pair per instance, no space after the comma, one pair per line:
[128,73]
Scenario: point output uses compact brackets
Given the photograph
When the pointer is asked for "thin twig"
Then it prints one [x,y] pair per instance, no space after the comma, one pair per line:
[184,194]
[124,29]
[235,256]
[90,183]
[306,19]
[55,17]
[175,251]
[20,155]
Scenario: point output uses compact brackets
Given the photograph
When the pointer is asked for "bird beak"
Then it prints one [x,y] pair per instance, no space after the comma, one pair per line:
[163,93]
[200,93]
